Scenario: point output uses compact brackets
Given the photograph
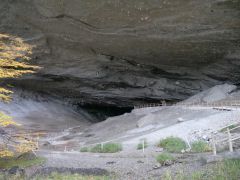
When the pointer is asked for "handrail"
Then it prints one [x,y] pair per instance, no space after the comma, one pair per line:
[229,128]
[234,128]
[229,138]
[225,139]
[230,103]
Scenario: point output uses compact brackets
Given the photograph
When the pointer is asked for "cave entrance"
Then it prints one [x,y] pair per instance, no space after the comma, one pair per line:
[102,112]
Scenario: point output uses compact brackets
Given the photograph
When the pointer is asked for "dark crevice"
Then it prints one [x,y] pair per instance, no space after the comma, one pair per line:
[102,112]
[78,20]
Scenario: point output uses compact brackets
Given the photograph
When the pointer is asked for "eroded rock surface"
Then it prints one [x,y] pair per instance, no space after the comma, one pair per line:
[121,52]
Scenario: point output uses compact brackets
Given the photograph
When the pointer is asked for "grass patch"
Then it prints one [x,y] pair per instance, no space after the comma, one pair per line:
[65,176]
[226,170]
[7,163]
[56,176]
[164,157]
[141,143]
[200,146]
[11,177]
[173,144]
[106,148]
[84,149]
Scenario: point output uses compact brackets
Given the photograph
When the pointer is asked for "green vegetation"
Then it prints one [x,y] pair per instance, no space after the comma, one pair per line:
[140,145]
[226,170]
[106,148]
[56,176]
[84,149]
[11,177]
[7,163]
[164,157]
[14,53]
[173,144]
[200,146]
[12,48]
[60,176]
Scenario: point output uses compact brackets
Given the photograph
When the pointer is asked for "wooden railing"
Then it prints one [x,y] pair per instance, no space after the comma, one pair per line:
[230,138]
[227,103]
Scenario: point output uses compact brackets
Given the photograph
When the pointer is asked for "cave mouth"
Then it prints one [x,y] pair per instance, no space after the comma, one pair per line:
[102,112]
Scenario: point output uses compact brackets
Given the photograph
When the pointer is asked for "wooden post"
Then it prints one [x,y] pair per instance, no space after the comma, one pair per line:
[214,147]
[34,153]
[143,145]
[230,140]
[38,142]
[101,146]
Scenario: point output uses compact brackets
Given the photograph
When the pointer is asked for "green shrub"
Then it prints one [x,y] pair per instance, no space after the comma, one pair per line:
[173,144]
[106,148]
[96,149]
[140,145]
[84,149]
[225,170]
[200,146]
[164,157]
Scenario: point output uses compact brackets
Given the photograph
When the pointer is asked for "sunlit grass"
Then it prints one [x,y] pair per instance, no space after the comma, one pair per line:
[103,148]
[173,144]
[65,176]
[164,157]
[226,170]
[200,146]
[6,163]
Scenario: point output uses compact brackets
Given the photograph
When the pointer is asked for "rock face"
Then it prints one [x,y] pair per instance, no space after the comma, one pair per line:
[121,52]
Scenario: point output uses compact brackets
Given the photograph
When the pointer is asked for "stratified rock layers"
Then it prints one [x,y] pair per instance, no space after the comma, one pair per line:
[121,52]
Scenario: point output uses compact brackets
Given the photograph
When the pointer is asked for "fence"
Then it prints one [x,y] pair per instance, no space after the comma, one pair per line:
[235,103]
[230,139]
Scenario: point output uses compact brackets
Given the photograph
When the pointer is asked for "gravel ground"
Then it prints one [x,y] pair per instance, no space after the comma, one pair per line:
[132,165]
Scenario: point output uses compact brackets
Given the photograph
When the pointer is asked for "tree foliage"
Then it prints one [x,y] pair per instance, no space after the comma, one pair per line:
[14,56]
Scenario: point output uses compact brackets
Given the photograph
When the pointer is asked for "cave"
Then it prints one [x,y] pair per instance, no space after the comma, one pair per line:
[100,112]
[144,79]
[114,56]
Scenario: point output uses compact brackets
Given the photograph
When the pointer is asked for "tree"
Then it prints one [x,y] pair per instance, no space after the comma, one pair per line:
[14,57]
[14,54]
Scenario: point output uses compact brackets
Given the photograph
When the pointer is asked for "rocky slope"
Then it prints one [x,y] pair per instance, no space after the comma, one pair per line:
[120,53]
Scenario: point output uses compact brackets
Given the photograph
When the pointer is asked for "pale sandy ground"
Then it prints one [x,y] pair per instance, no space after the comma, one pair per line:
[34,112]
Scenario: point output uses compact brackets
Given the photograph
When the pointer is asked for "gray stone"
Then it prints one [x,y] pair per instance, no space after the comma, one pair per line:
[168,163]
[122,53]
[157,166]
[159,150]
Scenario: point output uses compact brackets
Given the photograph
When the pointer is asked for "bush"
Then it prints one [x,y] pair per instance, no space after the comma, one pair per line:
[106,148]
[225,170]
[164,157]
[173,144]
[140,145]
[200,146]
[84,149]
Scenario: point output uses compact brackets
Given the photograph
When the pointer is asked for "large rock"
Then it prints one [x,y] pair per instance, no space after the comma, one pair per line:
[121,52]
